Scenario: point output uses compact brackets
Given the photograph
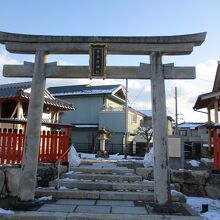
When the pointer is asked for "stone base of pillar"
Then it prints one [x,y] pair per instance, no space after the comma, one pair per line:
[170,208]
[26,205]
[103,154]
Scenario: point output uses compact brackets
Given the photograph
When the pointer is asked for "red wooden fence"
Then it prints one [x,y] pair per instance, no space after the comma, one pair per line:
[216,141]
[52,146]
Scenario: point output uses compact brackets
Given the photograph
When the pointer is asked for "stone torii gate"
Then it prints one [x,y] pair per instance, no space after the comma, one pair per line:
[155,47]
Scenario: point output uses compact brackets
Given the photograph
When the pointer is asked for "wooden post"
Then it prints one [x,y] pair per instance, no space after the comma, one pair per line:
[32,137]
[216,111]
[161,162]
[209,133]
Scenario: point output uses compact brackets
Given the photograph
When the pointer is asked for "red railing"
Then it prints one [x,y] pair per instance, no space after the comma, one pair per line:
[52,146]
[216,152]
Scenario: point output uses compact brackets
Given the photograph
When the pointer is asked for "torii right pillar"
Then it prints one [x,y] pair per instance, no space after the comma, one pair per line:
[162,194]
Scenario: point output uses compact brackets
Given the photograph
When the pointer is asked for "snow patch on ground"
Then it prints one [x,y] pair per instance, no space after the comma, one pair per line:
[213,204]
[3,211]
[44,198]
[63,188]
[193,163]
[70,172]
[148,181]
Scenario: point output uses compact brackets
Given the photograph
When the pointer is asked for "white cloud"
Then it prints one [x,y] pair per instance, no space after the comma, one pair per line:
[189,90]
[6,59]
[134,84]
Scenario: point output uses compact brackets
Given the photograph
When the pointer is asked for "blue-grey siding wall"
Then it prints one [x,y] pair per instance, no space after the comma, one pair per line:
[87,111]
[113,121]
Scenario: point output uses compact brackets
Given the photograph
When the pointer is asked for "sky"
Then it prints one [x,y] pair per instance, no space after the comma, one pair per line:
[123,18]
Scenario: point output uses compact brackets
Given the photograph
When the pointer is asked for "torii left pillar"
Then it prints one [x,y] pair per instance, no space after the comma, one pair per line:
[32,137]
[161,162]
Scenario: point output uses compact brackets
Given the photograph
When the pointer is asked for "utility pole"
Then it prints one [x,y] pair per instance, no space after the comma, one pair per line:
[126,120]
[176,112]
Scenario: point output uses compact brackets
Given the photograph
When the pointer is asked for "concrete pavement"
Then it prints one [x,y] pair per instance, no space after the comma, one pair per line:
[70,209]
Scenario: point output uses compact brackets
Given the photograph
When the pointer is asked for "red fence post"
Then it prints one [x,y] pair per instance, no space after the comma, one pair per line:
[9,146]
[4,144]
[47,137]
[218,153]
[52,145]
[56,146]
[59,146]
[14,146]
[42,147]
[20,145]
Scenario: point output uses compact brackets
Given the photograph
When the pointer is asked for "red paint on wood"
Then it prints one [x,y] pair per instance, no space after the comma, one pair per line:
[52,146]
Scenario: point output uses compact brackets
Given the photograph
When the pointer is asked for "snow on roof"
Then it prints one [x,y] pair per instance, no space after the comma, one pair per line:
[86,125]
[190,125]
[82,90]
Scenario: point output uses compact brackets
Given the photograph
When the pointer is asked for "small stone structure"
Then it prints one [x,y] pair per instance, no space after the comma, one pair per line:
[10,177]
[103,137]
[190,182]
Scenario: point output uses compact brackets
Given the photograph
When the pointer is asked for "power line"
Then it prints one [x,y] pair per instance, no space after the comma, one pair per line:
[137,96]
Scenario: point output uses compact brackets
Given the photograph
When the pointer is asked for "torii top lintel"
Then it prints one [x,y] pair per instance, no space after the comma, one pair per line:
[135,45]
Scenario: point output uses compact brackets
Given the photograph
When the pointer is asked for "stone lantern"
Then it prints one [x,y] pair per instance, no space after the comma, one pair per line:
[103,137]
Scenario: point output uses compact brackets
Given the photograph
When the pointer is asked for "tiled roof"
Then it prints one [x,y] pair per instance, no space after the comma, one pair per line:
[17,90]
[82,90]
[13,89]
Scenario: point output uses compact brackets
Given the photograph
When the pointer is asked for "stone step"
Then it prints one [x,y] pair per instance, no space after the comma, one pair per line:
[92,216]
[108,177]
[89,185]
[98,170]
[103,195]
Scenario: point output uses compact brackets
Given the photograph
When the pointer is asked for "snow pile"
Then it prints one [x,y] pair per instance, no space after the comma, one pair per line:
[175,193]
[148,181]
[194,163]
[73,158]
[213,204]
[116,157]
[45,198]
[63,188]
[149,159]
[88,156]
[112,157]
[3,211]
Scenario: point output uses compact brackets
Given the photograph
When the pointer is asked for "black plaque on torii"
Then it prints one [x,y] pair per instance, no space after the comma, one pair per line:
[97,60]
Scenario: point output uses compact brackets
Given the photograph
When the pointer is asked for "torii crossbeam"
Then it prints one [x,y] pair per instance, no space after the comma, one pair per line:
[155,47]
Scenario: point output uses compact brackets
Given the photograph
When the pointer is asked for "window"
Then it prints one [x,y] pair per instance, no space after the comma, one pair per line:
[134,118]
[182,132]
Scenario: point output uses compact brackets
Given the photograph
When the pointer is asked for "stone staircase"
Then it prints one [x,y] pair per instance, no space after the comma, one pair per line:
[103,181]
